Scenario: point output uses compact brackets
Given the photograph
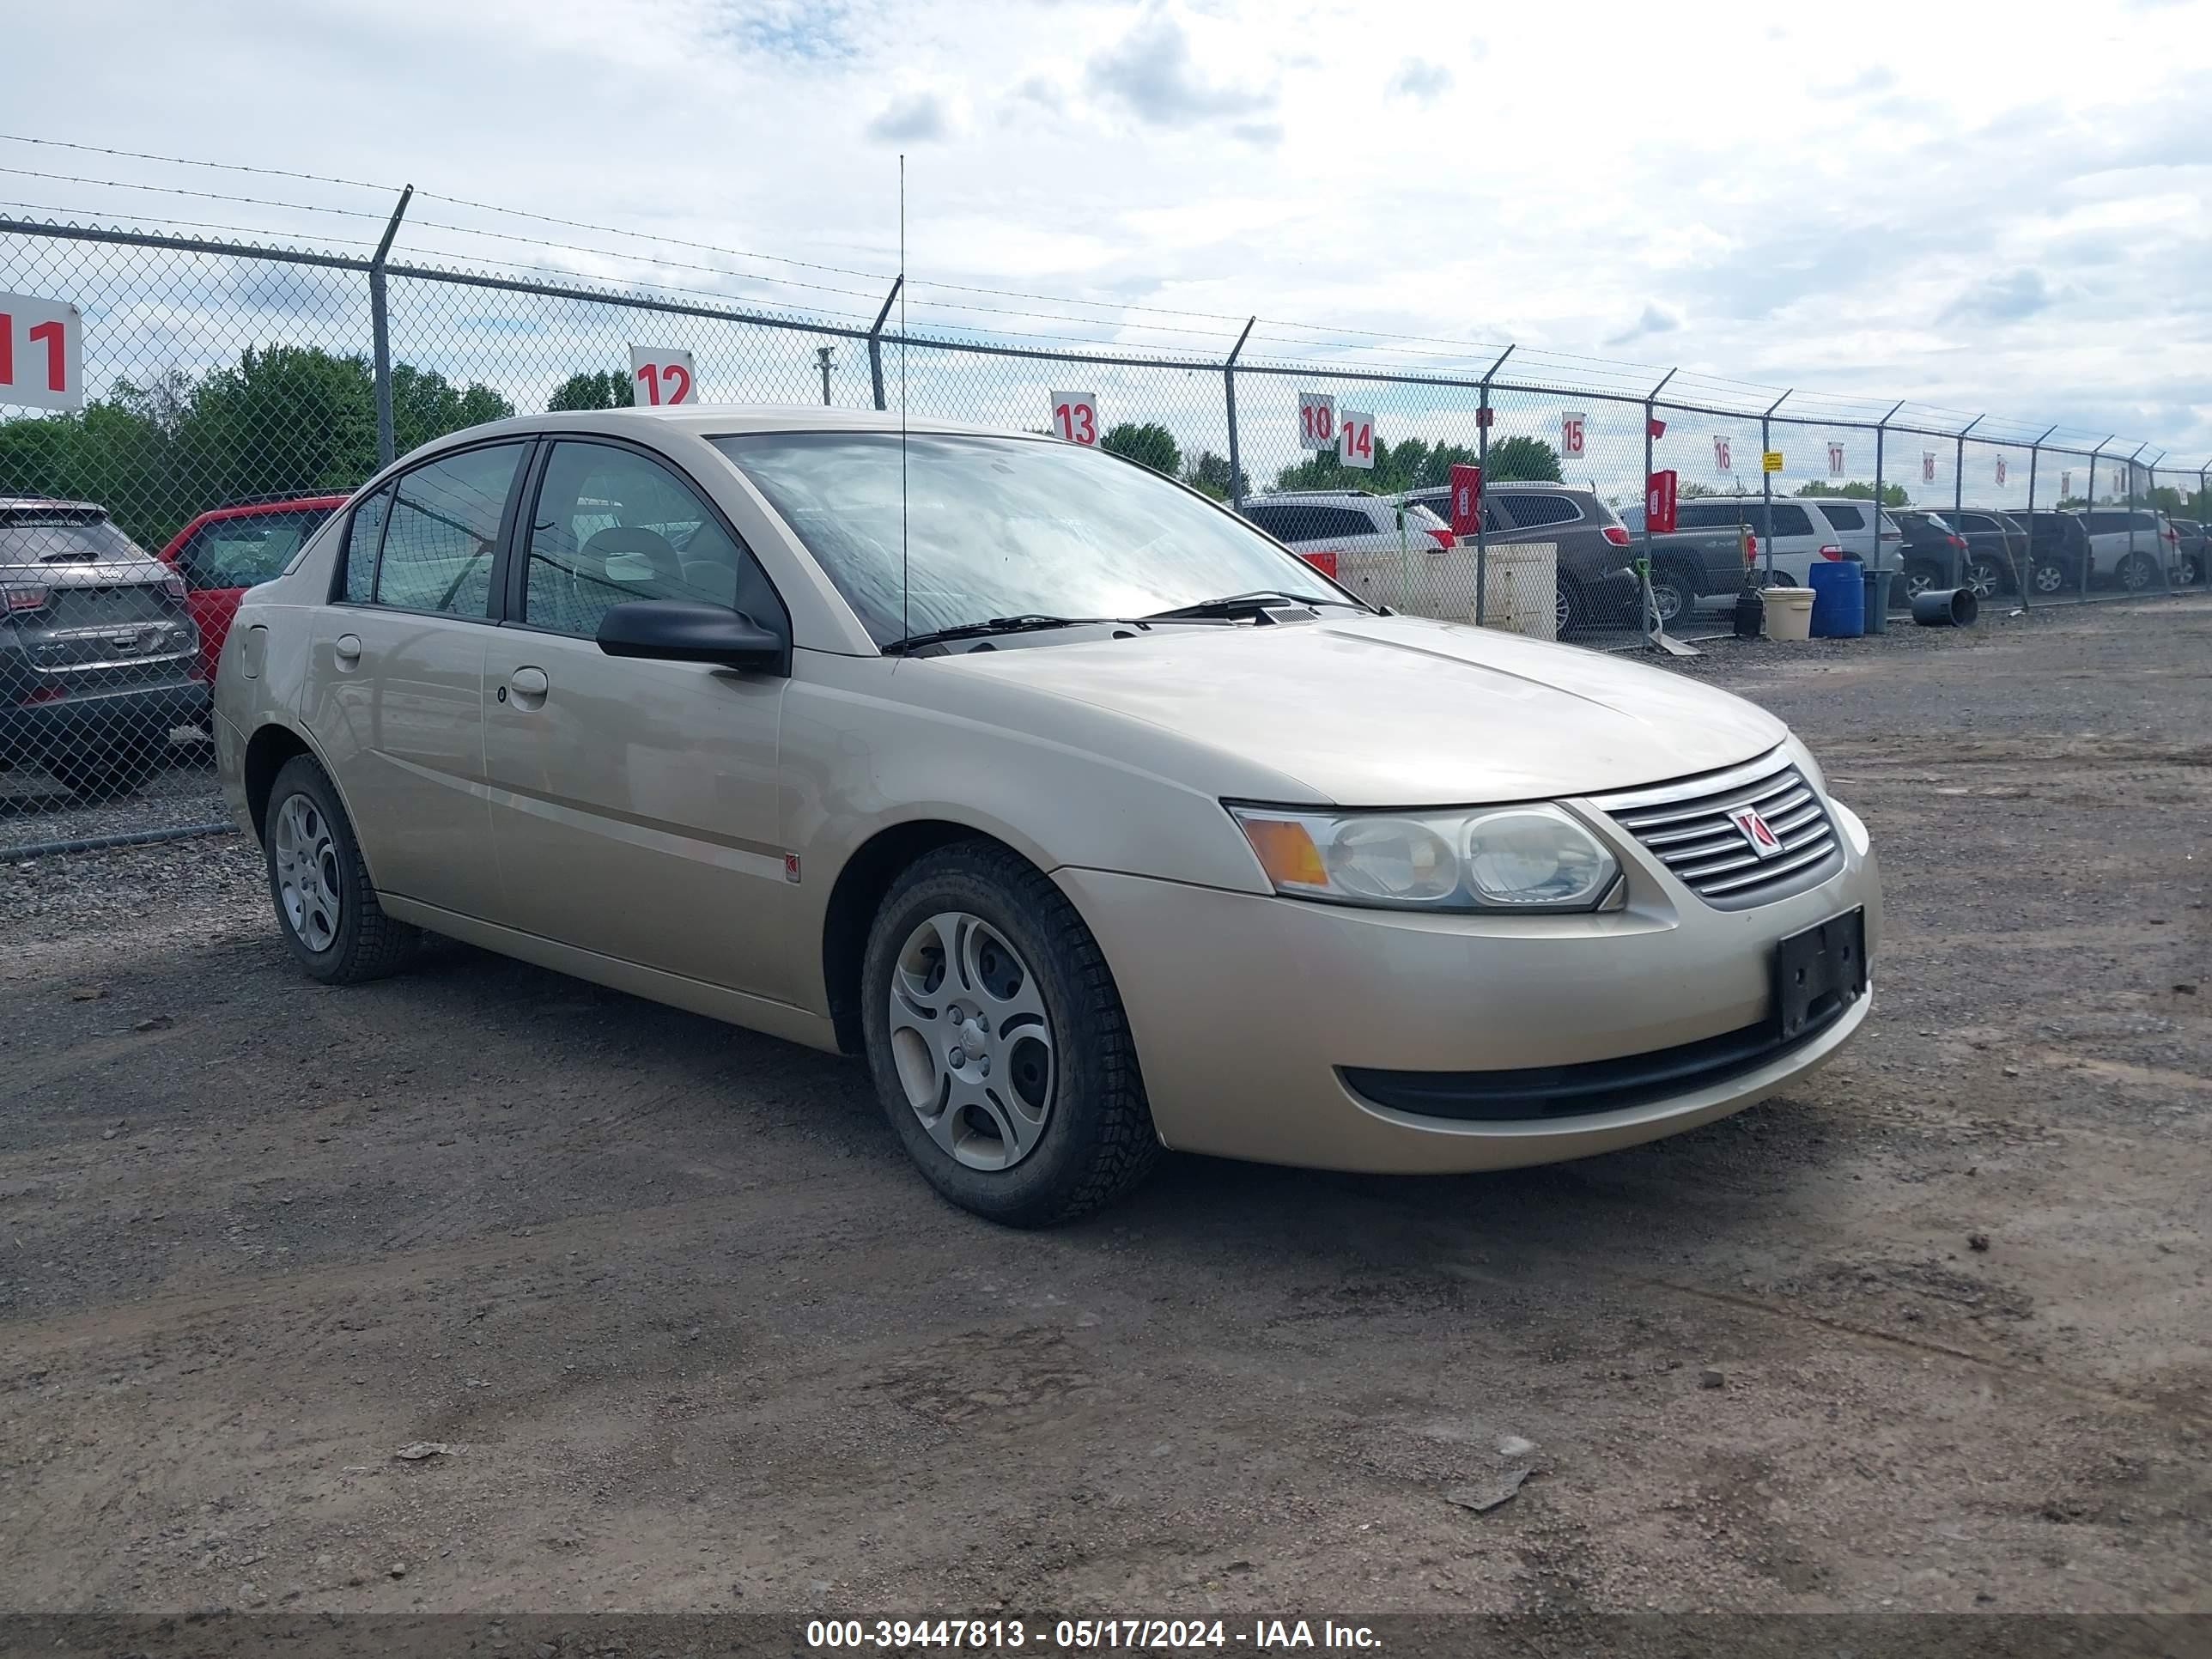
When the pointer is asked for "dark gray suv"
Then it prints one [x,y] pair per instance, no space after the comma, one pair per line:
[1596,588]
[99,656]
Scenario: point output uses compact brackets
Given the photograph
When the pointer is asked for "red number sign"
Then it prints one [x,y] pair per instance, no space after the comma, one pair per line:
[1835,460]
[1570,435]
[1356,439]
[41,353]
[1659,491]
[1928,466]
[662,375]
[1317,421]
[2001,469]
[1721,462]
[1075,416]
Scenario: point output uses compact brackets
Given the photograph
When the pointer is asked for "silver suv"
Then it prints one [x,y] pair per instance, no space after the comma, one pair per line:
[99,656]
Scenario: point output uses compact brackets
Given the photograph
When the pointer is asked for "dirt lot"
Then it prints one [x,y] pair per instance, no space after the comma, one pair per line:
[1934,1331]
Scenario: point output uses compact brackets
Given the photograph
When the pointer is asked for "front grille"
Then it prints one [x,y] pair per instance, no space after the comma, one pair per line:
[1686,826]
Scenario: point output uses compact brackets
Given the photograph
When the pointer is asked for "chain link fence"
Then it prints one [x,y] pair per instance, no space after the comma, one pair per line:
[232,395]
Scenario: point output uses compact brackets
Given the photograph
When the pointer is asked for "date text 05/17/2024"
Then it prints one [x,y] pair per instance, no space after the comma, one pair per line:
[1083,1635]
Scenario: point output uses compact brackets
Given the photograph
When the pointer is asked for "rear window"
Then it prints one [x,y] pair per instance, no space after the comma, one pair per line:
[27,539]
[1843,517]
[1294,521]
[241,552]
[1530,509]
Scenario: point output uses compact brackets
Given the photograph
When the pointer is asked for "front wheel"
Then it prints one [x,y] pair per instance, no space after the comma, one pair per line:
[1985,576]
[320,887]
[998,1041]
[2138,573]
[2051,579]
[1921,577]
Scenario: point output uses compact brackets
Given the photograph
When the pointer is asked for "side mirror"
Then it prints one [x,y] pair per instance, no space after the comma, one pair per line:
[678,630]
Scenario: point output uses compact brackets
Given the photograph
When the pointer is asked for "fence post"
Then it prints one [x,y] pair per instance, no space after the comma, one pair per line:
[1651,413]
[2089,559]
[1482,466]
[1881,507]
[1229,392]
[876,341]
[381,331]
[1958,494]
[2131,463]
[2025,579]
[1766,479]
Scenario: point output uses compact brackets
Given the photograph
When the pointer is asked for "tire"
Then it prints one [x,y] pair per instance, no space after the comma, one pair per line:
[2189,571]
[2051,579]
[1674,595]
[2138,573]
[101,774]
[315,868]
[1920,576]
[1985,575]
[1570,611]
[979,920]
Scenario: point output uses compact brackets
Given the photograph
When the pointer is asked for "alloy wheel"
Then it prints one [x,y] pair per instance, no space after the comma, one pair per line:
[972,1040]
[2049,578]
[307,872]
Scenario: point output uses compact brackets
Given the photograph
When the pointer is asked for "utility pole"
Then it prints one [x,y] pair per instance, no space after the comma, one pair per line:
[822,356]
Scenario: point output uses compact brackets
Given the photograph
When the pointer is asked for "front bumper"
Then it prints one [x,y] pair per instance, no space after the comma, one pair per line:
[1248,1010]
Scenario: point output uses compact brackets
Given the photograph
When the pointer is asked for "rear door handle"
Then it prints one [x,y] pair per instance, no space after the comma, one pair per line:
[347,648]
[529,685]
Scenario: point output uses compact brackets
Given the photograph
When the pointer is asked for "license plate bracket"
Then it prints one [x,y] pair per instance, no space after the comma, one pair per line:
[1819,973]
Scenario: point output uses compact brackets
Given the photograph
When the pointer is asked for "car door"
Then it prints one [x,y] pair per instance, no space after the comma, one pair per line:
[634,804]
[394,694]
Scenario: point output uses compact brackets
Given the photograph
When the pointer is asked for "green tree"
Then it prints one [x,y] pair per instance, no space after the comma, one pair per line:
[1149,444]
[1208,474]
[1528,459]
[425,404]
[1892,495]
[589,389]
[285,418]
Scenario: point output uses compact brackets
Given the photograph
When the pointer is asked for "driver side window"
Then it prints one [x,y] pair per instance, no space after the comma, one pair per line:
[612,526]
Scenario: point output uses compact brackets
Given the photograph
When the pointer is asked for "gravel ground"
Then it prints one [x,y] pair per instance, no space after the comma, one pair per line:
[1932,1331]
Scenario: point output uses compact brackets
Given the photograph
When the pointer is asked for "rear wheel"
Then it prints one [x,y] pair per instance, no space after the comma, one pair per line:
[320,887]
[1985,575]
[1569,612]
[1920,576]
[2051,579]
[1674,595]
[2189,571]
[998,1041]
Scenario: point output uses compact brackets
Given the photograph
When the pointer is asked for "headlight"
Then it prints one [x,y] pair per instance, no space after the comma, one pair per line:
[1512,858]
[1803,757]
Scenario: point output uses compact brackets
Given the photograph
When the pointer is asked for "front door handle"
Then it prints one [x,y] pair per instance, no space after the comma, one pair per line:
[347,648]
[529,685]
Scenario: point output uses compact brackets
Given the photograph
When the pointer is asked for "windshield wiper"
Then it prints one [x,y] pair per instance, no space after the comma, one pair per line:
[1028,623]
[1245,604]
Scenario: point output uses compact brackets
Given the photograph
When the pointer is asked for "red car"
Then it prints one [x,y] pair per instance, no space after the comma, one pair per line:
[227,550]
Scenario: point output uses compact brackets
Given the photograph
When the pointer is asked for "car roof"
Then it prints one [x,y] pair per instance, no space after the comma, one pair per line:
[721,420]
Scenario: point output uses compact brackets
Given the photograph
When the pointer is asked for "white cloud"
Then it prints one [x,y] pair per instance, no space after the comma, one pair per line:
[1982,221]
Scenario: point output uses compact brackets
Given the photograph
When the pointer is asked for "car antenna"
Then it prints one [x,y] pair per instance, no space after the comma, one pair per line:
[904,629]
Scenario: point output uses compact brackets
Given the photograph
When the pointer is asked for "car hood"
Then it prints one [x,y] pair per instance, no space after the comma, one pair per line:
[1400,711]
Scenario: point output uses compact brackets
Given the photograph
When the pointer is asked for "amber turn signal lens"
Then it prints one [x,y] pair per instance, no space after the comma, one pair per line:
[1287,852]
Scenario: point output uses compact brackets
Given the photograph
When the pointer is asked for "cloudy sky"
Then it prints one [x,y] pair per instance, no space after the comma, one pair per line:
[1977,209]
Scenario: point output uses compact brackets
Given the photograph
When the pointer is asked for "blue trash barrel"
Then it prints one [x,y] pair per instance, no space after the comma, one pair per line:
[1839,598]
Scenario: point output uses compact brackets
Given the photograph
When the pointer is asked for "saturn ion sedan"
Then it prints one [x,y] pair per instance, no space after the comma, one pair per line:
[1095,820]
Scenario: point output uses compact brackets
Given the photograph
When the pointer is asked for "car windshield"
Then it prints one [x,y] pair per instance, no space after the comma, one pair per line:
[25,539]
[987,527]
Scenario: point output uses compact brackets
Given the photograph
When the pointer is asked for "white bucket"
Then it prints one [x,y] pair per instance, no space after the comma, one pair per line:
[1789,612]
